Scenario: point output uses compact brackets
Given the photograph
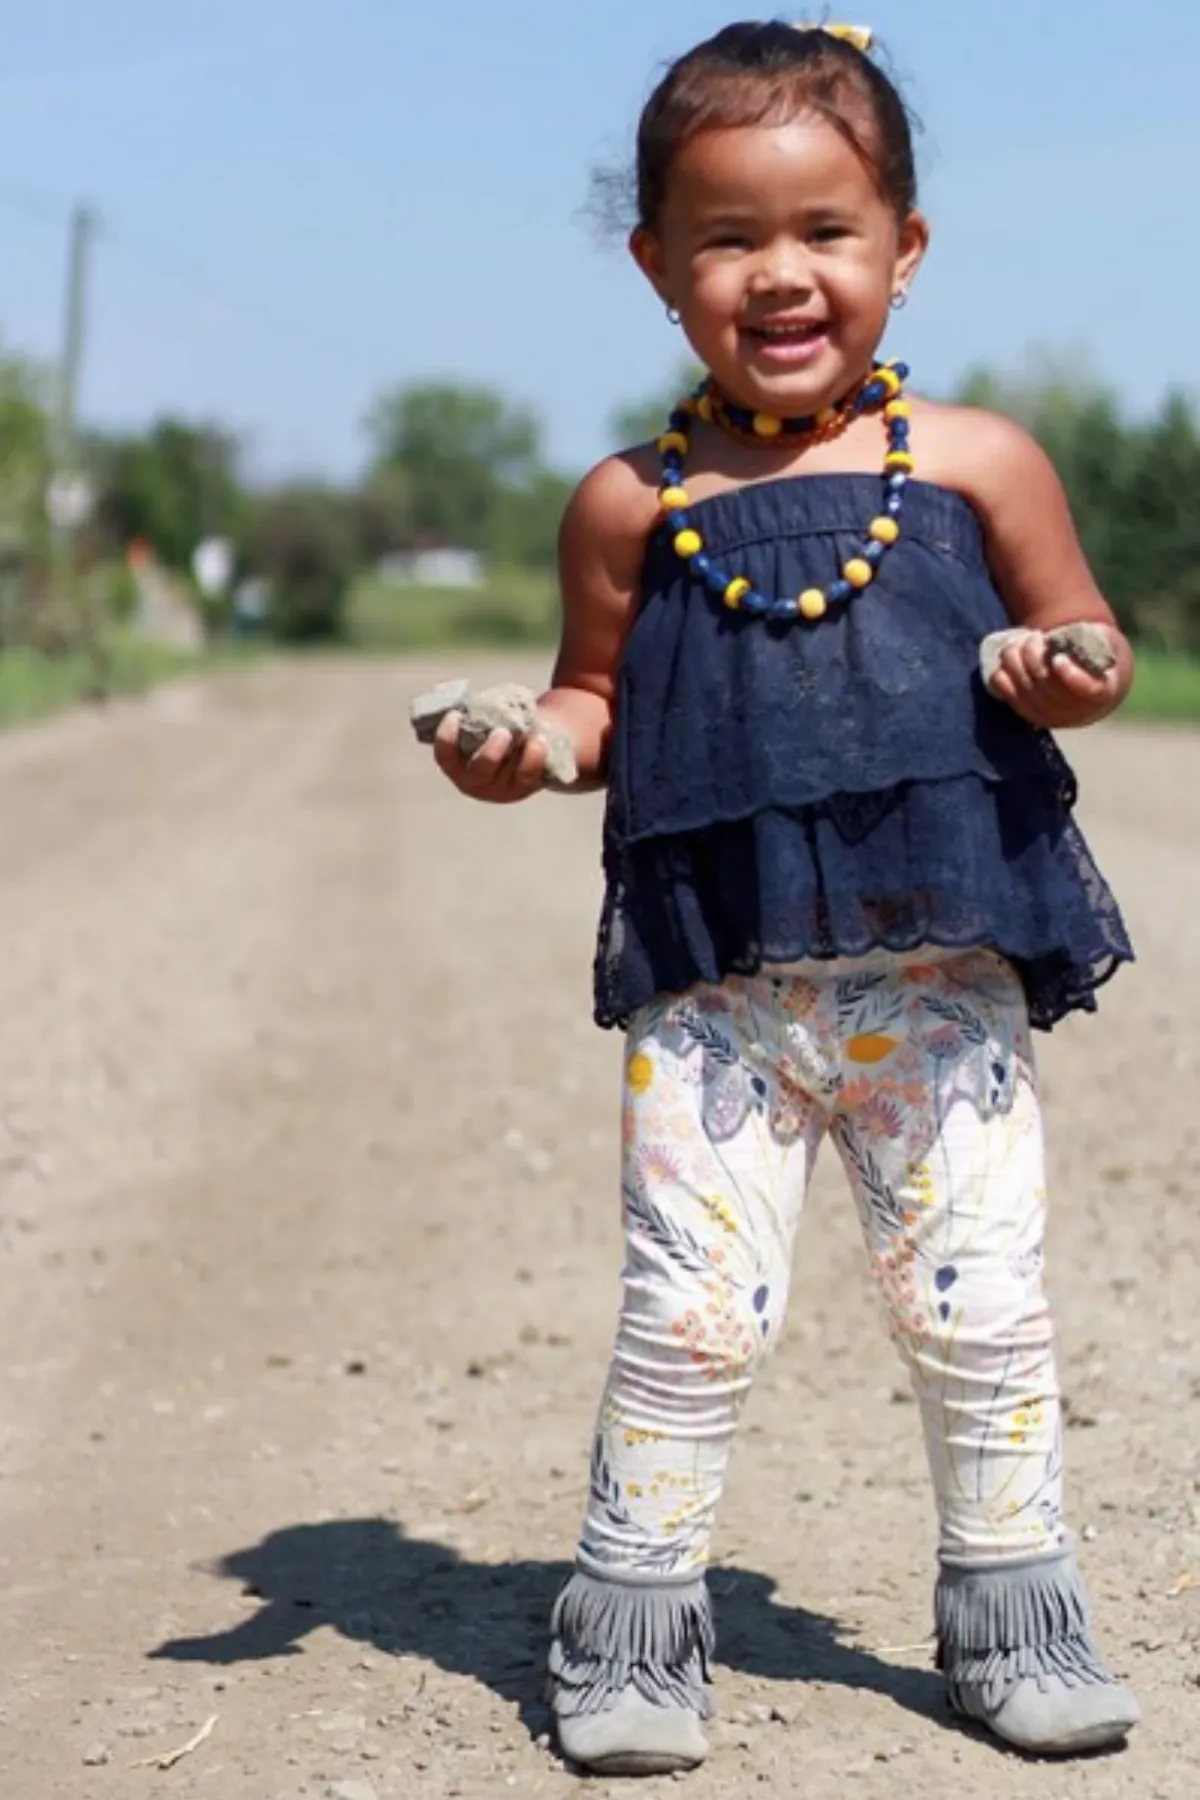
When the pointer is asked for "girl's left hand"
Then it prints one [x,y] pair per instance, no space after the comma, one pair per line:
[1051,691]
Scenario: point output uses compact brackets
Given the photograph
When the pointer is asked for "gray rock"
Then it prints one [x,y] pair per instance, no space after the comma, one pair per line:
[98,1757]
[506,707]
[428,710]
[352,1790]
[1088,645]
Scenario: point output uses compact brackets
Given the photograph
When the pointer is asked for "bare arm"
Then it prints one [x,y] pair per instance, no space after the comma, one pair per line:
[1041,572]
[602,543]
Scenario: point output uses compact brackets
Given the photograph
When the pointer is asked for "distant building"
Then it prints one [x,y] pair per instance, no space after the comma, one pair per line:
[444,567]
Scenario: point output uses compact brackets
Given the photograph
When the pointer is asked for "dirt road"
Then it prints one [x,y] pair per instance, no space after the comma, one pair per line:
[308,1259]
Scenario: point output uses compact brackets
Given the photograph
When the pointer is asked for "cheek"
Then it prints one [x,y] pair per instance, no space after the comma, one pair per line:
[860,286]
[716,293]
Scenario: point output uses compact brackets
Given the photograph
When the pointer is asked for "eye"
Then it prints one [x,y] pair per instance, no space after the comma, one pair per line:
[829,234]
[727,240]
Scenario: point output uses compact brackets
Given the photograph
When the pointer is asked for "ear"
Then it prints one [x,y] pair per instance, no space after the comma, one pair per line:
[646,251]
[911,245]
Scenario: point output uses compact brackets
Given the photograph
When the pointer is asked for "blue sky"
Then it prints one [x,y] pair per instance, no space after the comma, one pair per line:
[308,200]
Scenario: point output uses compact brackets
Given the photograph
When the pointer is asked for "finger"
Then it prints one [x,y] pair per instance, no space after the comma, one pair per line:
[492,754]
[1003,686]
[1020,672]
[446,753]
[1034,658]
[522,774]
[1081,682]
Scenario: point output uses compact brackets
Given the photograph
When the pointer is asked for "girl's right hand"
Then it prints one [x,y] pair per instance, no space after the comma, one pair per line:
[498,772]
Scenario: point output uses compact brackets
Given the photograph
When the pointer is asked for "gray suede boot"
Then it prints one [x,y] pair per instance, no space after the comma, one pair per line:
[1015,1644]
[629,1674]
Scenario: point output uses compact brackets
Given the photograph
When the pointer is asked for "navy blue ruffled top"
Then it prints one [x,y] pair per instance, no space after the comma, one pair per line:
[778,793]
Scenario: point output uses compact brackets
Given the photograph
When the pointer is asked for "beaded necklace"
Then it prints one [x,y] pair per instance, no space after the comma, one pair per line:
[883,389]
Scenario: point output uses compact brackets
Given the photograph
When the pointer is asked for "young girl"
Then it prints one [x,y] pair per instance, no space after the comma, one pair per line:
[843,881]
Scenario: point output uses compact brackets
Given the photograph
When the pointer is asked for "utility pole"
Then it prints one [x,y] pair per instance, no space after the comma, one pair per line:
[69,499]
[82,227]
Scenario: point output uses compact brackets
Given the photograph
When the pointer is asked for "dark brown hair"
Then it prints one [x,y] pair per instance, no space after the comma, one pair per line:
[769,74]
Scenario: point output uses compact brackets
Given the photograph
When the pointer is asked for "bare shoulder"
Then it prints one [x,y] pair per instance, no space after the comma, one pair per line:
[988,459]
[615,504]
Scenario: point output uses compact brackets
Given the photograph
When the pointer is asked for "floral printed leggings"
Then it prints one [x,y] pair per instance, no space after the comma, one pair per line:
[921,1071]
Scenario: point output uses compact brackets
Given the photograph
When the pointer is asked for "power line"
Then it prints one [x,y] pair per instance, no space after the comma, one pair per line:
[165,258]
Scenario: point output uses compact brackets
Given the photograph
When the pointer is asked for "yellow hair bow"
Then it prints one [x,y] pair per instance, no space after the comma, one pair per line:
[861,37]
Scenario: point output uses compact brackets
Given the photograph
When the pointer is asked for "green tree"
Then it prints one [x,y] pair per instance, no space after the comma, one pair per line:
[24,456]
[527,519]
[1134,489]
[460,451]
[301,539]
[172,486]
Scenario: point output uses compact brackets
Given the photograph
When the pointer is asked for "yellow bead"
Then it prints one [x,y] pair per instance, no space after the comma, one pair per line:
[674,499]
[766,425]
[827,416]
[858,572]
[889,379]
[897,409]
[813,604]
[704,407]
[688,543]
[736,592]
[899,462]
[673,440]
[884,531]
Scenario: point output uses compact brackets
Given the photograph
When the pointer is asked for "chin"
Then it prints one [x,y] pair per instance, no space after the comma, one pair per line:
[790,392]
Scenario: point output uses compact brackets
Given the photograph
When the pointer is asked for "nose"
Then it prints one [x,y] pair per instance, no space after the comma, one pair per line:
[782,268]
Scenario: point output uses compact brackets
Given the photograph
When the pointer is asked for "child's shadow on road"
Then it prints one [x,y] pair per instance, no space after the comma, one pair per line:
[409,1597]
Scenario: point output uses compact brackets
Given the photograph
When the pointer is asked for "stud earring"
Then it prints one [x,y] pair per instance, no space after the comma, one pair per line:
[900,300]
[674,315]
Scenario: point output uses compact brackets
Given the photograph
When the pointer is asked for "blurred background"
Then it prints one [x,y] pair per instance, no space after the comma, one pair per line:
[306,327]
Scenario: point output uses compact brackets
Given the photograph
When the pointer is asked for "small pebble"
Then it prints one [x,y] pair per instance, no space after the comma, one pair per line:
[98,1757]
[352,1790]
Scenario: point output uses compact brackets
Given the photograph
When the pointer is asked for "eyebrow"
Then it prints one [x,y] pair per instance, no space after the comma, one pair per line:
[749,215]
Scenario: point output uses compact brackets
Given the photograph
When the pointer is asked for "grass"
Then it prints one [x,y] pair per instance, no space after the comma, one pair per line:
[517,607]
[33,686]
[1166,689]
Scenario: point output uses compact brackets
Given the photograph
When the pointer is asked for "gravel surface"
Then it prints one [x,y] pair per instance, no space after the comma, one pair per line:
[308,1268]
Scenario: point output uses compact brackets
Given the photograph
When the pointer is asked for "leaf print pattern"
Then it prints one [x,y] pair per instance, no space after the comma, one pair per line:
[922,1076]
[680,1245]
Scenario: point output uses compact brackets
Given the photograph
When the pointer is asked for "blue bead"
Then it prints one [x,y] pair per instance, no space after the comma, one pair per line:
[784,609]
[716,579]
[898,482]
[678,521]
[875,552]
[840,590]
[700,563]
[680,421]
[895,504]
[754,602]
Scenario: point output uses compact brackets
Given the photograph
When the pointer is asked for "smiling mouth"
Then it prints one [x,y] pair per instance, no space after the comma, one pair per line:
[790,341]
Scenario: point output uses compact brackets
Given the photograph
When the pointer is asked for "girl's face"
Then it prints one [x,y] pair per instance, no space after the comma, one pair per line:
[781,255]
